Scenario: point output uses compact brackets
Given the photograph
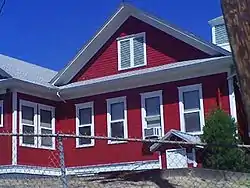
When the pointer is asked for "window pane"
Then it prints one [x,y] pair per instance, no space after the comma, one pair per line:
[152,106]
[46,118]
[46,141]
[192,122]
[85,116]
[138,51]
[125,53]
[28,139]
[191,100]
[117,130]
[87,132]
[117,111]
[153,123]
[28,115]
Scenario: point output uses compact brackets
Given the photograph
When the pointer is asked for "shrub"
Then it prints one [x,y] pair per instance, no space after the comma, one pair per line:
[220,135]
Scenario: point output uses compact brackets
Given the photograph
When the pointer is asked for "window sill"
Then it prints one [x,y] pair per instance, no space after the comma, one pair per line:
[131,68]
[85,146]
[117,142]
[34,147]
[195,133]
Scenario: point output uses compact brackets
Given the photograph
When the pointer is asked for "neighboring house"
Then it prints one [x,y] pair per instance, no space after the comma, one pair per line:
[138,77]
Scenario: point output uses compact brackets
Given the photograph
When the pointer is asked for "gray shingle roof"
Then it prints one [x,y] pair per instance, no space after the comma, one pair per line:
[22,70]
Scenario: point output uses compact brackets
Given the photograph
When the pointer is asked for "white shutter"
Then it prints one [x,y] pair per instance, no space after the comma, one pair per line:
[138,44]
[125,54]
[221,34]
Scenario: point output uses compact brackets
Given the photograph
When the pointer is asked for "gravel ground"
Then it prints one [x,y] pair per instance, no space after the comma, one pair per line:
[175,178]
[121,182]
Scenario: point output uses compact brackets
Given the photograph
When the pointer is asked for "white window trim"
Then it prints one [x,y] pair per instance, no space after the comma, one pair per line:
[34,106]
[143,109]
[130,38]
[37,128]
[52,110]
[1,114]
[113,101]
[188,88]
[78,108]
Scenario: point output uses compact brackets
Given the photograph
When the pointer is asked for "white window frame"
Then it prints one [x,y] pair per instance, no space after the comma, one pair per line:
[130,38]
[34,106]
[52,110]
[144,96]
[37,127]
[188,88]
[1,114]
[125,120]
[92,125]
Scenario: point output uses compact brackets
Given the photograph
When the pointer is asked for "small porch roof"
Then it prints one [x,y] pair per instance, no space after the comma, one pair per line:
[182,135]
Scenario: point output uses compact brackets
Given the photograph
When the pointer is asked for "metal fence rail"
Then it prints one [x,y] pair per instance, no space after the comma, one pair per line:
[210,165]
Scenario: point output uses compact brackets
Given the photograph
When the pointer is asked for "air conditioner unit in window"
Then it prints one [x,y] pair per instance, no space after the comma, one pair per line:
[154,132]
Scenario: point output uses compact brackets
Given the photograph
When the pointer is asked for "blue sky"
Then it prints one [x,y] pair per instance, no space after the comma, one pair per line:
[50,32]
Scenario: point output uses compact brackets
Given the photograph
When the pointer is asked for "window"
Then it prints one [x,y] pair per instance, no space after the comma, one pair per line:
[117,118]
[46,125]
[191,108]
[131,51]
[152,114]
[85,124]
[37,119]
[1,113]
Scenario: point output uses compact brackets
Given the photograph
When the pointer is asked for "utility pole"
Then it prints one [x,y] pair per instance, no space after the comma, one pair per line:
[237,20]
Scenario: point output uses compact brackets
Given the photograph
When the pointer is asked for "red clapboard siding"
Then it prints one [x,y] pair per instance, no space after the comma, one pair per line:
[35,156]
[6,146]
[161,49]
[102,153]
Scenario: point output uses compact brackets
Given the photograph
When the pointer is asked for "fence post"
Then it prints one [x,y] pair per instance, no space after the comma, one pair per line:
[62,162]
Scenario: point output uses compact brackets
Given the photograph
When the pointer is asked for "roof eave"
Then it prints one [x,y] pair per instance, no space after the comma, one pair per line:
[146,77]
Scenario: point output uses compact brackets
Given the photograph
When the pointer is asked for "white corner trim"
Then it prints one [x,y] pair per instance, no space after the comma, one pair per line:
[213,35]
[232,102]
[188,88]
[109,121]
[144,96]
[160,160]
[130,38]
[194,158]
[14,127]
[92,125]
[1,114]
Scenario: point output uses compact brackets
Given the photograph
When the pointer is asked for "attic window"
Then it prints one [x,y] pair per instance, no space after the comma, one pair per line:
[131,51]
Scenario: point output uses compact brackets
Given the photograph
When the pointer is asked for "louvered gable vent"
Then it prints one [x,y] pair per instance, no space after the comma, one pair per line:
[221,34]
[132,51]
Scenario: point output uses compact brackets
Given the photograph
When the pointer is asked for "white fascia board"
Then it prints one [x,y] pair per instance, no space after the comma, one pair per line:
[29,88]
[147,77]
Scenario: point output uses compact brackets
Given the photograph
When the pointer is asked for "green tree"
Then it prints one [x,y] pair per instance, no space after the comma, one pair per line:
[220,135]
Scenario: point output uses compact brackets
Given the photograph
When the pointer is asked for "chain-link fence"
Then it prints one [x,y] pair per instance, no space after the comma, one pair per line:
[159,163]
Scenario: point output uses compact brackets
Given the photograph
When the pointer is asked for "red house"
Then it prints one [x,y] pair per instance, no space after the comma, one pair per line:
[138,77]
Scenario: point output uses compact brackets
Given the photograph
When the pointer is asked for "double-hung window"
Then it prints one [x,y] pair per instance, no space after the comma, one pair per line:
[1,113]
[36,119]
[152,114]
[85,124]
[46,122]
[117,118]
[191,108]
[131,51]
